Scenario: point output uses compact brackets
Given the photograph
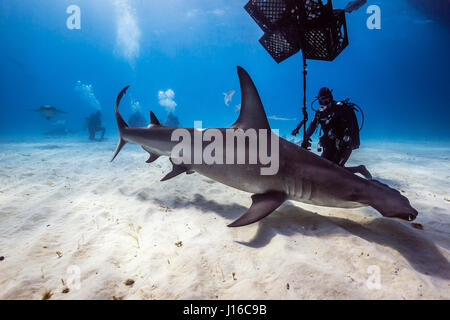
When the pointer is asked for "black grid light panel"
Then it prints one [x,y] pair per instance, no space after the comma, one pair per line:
[278,46]
[267,13]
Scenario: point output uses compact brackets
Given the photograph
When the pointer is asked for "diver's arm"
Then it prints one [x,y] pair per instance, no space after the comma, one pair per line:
[306,144]
[312,127]
[297,130]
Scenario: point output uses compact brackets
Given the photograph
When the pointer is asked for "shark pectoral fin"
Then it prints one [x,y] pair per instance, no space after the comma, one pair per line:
[263,205]
[176,170]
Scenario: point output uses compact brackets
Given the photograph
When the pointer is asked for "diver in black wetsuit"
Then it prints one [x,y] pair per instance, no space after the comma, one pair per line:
[340,131]
[94,124]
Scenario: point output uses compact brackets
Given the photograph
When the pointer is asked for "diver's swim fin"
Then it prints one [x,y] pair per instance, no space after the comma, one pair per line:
[263,205]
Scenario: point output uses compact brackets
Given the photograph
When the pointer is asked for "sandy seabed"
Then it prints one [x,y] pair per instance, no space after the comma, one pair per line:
[75,226]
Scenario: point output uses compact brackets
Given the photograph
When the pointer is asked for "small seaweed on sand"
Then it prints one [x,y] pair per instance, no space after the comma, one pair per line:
[59,254]
[165,208]
[129,282]
[65,290]
[179,244]
[117,298]
[47,295]
[135,234]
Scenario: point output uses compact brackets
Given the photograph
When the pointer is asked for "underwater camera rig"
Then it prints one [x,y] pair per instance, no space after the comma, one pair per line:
[293,25]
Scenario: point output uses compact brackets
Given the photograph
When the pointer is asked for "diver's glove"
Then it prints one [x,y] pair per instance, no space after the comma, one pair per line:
[306,144]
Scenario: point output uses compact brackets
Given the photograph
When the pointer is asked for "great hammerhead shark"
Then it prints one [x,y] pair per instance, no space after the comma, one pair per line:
[302,176]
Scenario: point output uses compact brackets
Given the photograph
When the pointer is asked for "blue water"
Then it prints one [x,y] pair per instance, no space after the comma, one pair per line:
[189,50]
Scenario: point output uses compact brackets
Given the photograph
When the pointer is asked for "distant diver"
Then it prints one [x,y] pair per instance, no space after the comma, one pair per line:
[340,129]
[94,125]
[137,120]
[49,111]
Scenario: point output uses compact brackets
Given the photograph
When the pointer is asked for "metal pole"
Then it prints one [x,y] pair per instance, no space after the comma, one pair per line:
[305,111]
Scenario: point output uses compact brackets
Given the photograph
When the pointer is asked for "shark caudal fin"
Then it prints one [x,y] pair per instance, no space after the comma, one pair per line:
[121,124]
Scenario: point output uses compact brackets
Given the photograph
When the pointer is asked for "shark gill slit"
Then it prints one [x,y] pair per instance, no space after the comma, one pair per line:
[307,189]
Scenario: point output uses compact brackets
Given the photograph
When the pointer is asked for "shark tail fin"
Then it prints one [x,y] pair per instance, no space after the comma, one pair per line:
[121,124]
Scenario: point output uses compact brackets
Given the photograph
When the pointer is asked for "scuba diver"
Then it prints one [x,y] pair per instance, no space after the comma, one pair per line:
[94,124]
[340,128]
[137,120]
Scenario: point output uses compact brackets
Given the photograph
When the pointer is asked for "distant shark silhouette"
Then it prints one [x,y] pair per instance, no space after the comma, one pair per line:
[228,97]
[302,176]
[49,111]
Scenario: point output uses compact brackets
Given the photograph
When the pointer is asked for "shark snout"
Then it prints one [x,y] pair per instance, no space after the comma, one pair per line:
[409,214]
[413,215]
[391,203]
[398,207]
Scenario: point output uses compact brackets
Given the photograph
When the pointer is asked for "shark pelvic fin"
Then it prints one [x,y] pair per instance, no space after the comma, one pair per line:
[263,205]
[252,113]
[153,156]
[153,119]
[176,171]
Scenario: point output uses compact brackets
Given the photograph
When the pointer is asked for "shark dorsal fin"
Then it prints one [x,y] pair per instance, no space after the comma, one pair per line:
[252,111]
[153,119]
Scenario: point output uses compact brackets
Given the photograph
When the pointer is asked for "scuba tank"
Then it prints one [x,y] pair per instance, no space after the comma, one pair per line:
[353,129]
[348,122]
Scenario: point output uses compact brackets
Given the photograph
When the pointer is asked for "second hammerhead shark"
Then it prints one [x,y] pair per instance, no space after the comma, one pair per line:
[49,111]
[302,175]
